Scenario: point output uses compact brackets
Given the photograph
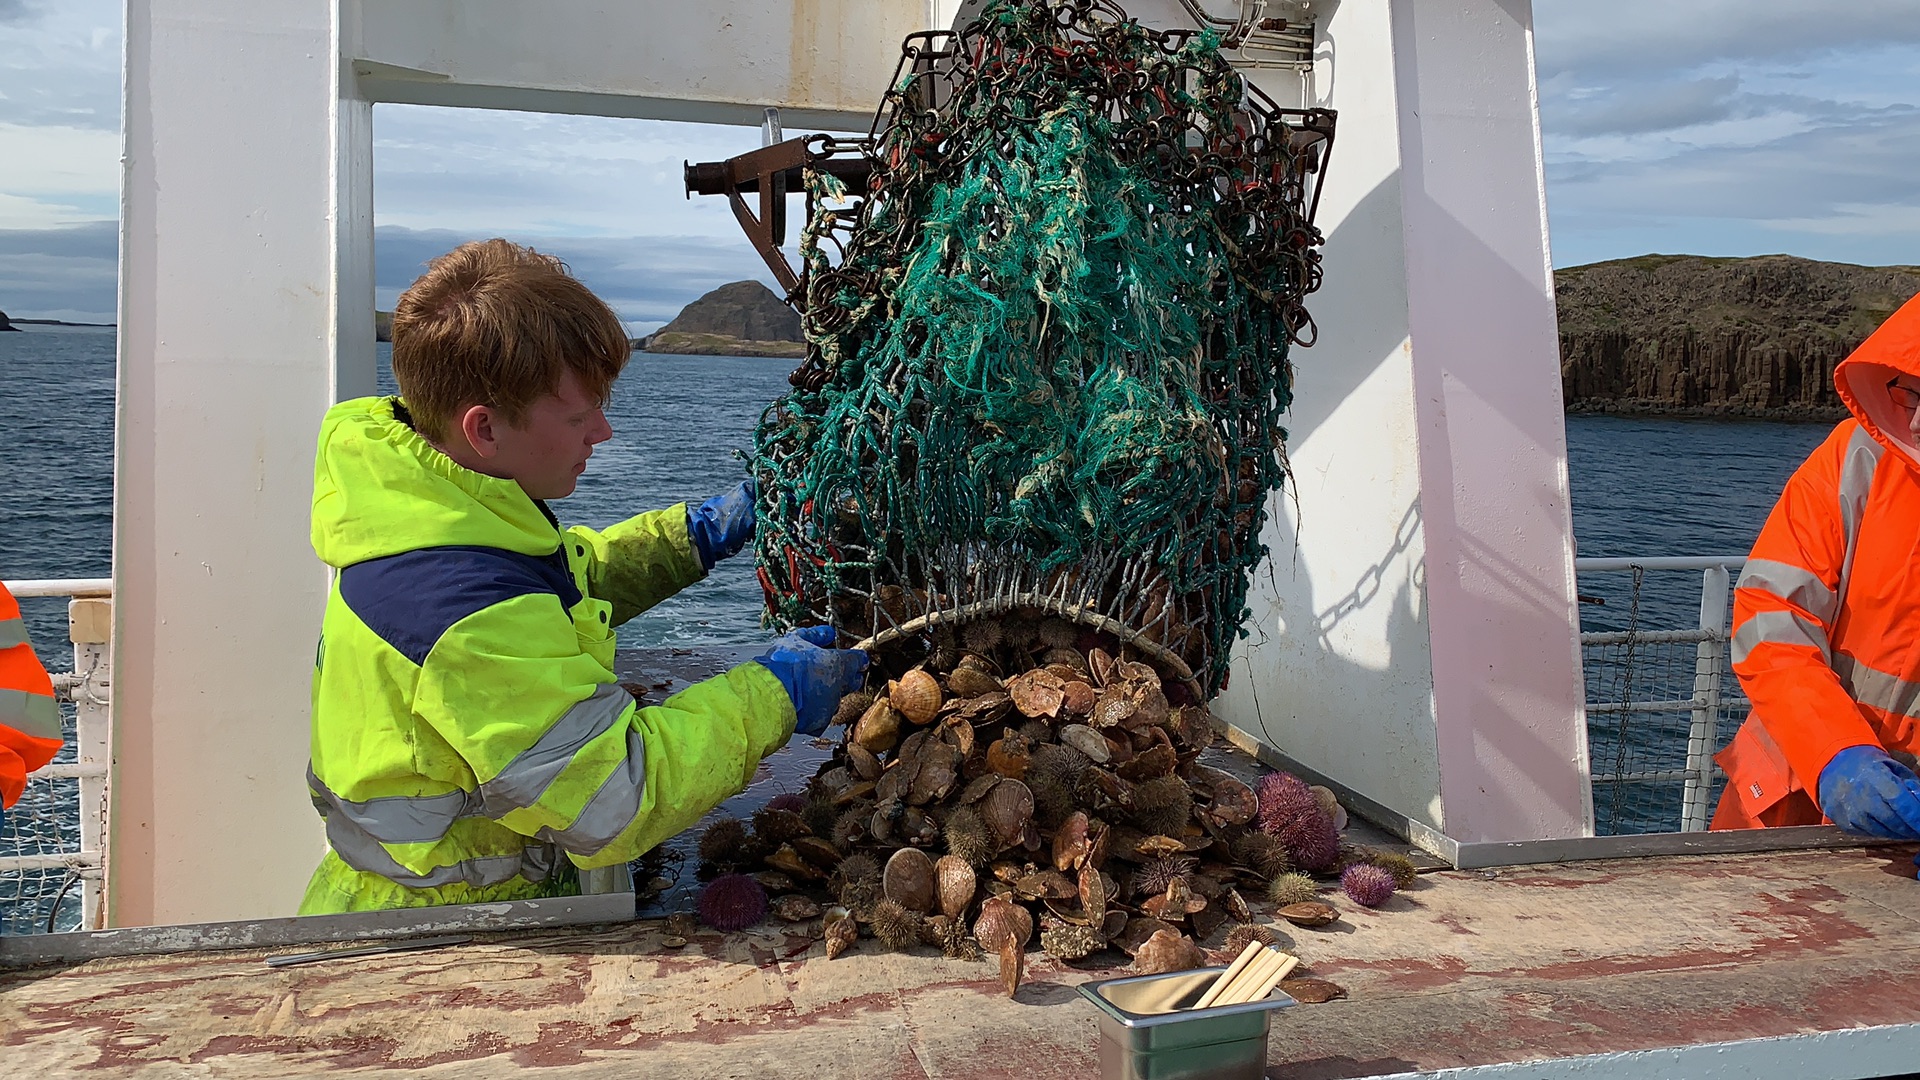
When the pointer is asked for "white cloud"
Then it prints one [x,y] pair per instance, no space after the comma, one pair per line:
[1730,127]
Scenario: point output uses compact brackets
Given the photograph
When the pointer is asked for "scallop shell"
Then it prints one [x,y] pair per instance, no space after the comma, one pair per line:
[1077,699]
[1009,756]
[1004,927]
[1309,913]
[1008,809]
[1093,893]
[1175,904]
[1100,666]
[1088,742]
[970,682]
[1046,884]
[1037,693]
[862,762]
[795,908]
[916,696]
[1150,764]
[1311,991]
[1071,843]
[1330,805]
[817,851]
[1167,950]
[879,728]
[1233,802]
[909,880]
[957,884]
[1136,932]
[788,860]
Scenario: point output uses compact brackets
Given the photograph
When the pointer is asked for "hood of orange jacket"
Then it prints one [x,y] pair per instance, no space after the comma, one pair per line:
[1862,378]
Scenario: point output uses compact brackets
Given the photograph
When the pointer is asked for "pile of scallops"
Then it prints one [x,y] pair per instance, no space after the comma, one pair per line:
[1029,782]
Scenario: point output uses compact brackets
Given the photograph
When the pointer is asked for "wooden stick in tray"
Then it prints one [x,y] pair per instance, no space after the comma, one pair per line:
[1255,975]
[1247,956]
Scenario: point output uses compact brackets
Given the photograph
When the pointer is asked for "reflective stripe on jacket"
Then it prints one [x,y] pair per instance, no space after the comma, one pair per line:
[468,729]
[29,713]
[1826,616]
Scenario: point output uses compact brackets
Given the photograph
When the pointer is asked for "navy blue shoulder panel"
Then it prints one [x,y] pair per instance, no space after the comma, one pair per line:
[410,599]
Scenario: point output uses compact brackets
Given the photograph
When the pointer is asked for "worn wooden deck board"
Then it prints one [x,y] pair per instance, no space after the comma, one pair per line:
[1470,968]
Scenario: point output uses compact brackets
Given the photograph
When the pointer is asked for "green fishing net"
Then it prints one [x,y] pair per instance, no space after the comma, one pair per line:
[1047,346]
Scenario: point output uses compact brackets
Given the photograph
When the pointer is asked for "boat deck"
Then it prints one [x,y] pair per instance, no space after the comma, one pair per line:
[1469,968]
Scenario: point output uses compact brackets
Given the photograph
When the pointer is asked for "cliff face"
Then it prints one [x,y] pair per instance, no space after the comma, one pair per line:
[744,311]
[1690,335]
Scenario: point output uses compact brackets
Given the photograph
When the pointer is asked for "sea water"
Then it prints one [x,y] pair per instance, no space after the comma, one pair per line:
[1640,487]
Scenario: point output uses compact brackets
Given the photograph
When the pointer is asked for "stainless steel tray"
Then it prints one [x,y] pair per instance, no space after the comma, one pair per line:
[1226,1042]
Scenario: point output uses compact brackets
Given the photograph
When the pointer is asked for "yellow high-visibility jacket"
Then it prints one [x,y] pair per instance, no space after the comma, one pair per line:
[470,740]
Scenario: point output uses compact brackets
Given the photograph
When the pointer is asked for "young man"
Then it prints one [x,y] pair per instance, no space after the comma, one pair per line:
[470,740]
[1826,634]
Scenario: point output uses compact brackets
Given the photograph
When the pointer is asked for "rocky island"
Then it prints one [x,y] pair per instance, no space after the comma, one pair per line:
[744,318]
[1688,335]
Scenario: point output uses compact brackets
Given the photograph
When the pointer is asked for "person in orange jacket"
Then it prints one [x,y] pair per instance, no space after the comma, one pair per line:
[1826,617]
[29,715]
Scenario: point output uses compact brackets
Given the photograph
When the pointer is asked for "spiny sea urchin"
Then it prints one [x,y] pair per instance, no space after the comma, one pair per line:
[1404,872]
[895,926]
[1240,936]
[732,902]
[981,636]
[1264,855]
[970,838]
[856,882]
[774,826]
[1367,885]
[1291,889]
[724,843]
[1162,806]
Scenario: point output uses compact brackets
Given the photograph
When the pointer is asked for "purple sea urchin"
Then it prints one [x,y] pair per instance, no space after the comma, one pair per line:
[1367,885]
[1152,879]
[1282,798]
[732,902]
[1312,842]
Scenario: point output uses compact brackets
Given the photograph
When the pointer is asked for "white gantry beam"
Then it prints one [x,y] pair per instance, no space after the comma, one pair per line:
[1415,632]
[246,308]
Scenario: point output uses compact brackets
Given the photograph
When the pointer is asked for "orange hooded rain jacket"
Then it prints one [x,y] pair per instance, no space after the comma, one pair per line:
[1826,617]
[29,715]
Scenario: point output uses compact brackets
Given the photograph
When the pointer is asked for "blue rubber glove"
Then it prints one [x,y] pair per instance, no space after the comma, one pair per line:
[723,524]
[815,674]
[1868,793]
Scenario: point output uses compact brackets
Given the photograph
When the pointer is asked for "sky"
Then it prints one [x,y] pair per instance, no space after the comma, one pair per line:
[1712,127]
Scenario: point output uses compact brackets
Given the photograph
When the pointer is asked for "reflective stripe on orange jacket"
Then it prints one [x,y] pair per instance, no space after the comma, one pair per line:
[1826,616]
[29,715]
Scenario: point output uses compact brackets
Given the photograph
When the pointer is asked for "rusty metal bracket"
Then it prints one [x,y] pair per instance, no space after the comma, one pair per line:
[772,172]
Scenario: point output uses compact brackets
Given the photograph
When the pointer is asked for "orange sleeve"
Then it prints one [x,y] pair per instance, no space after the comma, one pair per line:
[1783,615]
[20,755]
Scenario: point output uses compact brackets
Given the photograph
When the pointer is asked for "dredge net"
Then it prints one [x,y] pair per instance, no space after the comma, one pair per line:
[1047,346]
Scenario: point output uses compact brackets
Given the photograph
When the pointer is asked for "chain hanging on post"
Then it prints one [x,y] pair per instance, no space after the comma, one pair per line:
[1047,339]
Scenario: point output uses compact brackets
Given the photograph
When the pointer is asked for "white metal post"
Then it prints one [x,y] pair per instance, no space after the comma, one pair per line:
[89,627]
[1710,660]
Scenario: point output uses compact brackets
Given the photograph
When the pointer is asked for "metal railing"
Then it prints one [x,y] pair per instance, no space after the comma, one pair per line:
[1650,771]
[28,898]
